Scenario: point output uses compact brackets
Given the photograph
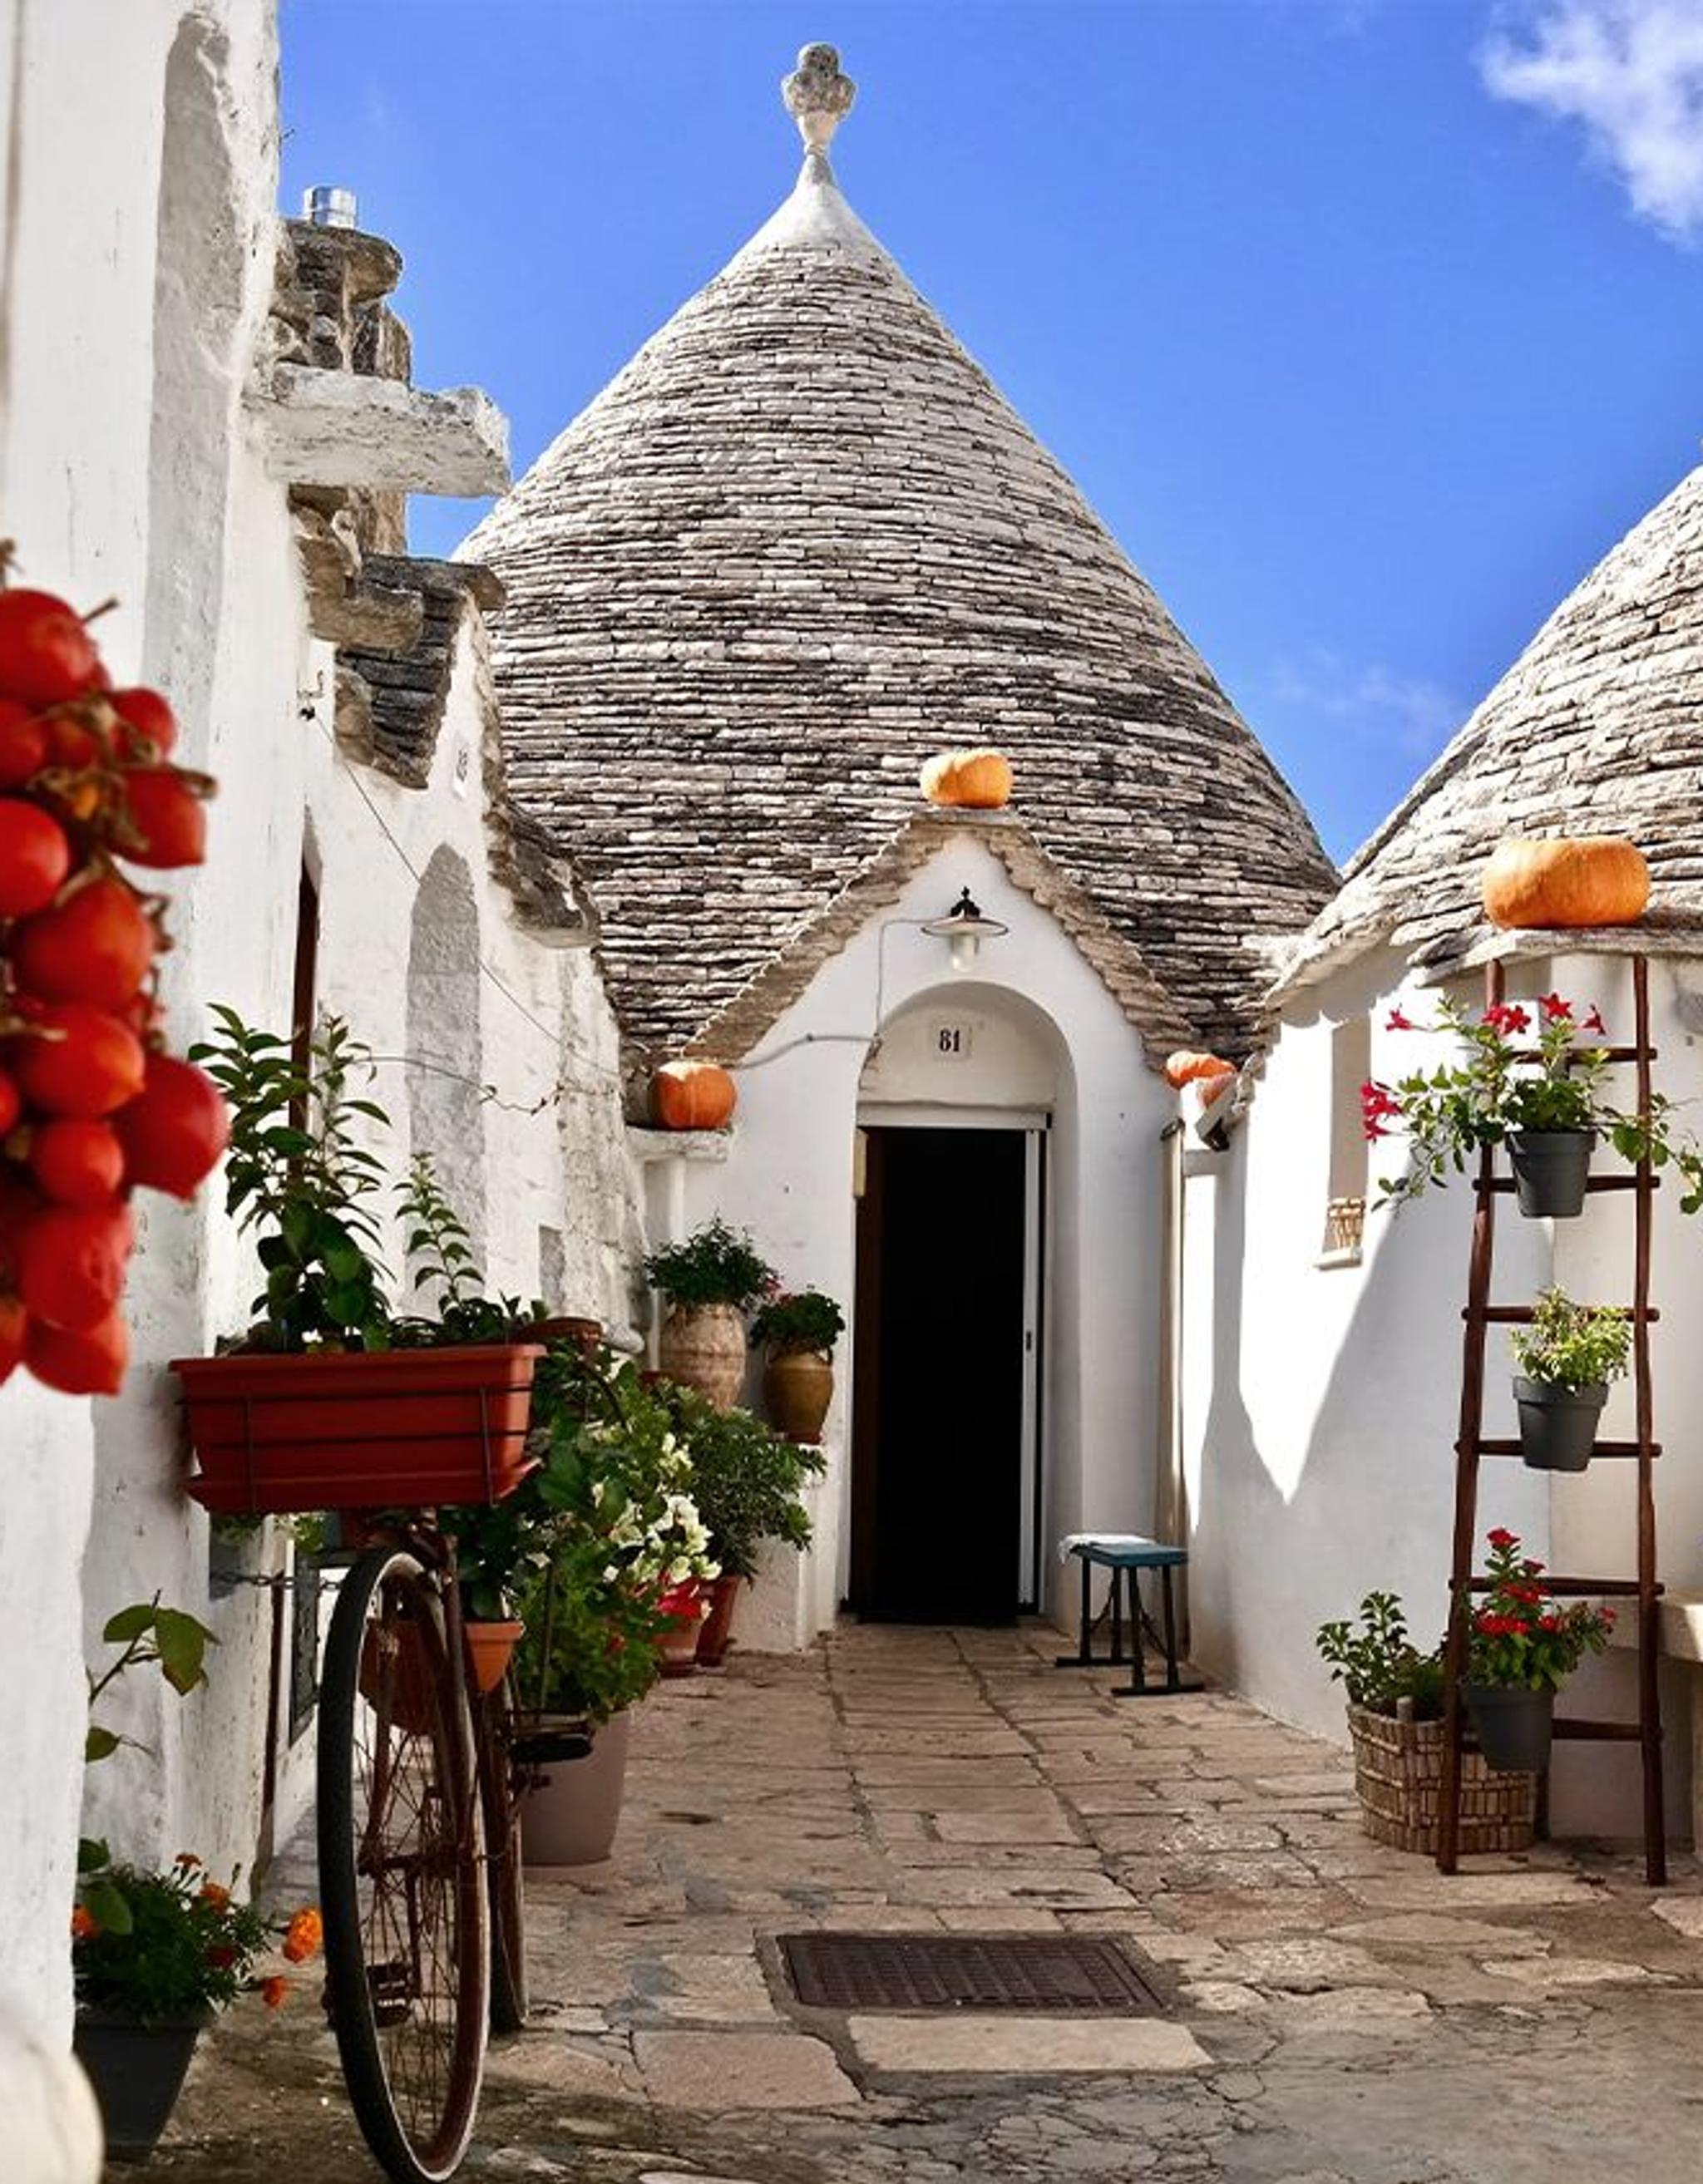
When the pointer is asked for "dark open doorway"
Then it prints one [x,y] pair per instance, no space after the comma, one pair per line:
[943,1375]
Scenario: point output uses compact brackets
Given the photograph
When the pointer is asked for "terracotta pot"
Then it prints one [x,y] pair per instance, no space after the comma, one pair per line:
[693,1095]
[715,1632]
[797,1387]
[490,1647]
[570,1808]
[137,2072]
[685,1605]
[585,1335]
[355,1430]
[703,1346]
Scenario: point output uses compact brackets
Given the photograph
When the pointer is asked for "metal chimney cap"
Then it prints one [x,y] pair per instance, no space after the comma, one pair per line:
[327,206]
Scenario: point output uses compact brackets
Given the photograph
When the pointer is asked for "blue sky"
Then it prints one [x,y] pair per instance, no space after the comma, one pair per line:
[1367,325]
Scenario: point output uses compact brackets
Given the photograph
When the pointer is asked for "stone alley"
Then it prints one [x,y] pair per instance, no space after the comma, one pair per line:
[1340,2013]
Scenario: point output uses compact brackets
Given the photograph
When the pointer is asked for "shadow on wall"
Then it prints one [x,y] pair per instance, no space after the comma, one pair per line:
[1372,1505]
[446,1116]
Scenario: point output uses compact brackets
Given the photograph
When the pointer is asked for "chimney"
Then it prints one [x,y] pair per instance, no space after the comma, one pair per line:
[325,206]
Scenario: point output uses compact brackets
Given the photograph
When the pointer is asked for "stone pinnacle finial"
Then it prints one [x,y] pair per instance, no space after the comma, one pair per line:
[818,98]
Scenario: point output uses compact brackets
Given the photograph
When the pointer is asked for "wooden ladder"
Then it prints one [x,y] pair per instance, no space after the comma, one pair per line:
[1479,1315]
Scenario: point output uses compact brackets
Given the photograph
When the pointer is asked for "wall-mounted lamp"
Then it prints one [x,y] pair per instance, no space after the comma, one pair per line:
[963,928]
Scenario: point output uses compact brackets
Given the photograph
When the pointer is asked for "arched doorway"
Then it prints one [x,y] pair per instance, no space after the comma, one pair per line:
[446,1113]
[955,1110]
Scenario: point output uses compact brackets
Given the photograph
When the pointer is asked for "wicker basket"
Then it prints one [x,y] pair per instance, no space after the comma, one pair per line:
[1398,1780]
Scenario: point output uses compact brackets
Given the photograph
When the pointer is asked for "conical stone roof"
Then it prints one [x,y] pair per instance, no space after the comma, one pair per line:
[1596,729]
[800,543]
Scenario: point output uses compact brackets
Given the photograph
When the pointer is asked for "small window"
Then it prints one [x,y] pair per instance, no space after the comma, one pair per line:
[1345,1206]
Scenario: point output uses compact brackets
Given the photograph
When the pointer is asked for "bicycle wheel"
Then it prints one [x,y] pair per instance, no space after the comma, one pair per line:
[499,1793]
[401,1870]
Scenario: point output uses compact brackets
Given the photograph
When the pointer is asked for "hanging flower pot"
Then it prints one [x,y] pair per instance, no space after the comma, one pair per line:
[397,1677]
[1550,1168]
[715,1632]
[491,1647]
[684,1605]
[1558,1425]
[797,1387]
[703,1346]
[357,1429]
[1514,1725]
[137,2072]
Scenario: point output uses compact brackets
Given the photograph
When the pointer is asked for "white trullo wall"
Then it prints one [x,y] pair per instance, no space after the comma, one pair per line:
[136,298]
[1321,1400]
[788,1176]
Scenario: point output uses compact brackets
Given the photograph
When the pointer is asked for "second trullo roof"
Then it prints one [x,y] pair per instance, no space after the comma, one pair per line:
[800,543]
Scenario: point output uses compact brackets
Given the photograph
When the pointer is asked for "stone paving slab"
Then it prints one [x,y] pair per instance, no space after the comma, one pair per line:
[1011,2046]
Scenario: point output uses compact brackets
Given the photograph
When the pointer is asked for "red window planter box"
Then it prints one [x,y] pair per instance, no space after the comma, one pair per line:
[358,1429]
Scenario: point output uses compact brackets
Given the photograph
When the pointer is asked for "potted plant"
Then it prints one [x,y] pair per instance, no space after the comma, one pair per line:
[1540,1098]
[745,1483]
[1394,1692]
[321,1407]
[155,1954]
[621,1530]
[1523,1647]
[1568,1356]
[711,1282]
[798,1328]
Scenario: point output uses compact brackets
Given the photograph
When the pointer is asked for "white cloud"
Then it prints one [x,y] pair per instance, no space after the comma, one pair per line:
[1405,713]
[1632,71]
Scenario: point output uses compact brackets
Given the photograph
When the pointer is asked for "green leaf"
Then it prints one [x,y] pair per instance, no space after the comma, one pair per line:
[100,1743]
[131,1623]
[92,1854]
[182,1643]
[106,1904]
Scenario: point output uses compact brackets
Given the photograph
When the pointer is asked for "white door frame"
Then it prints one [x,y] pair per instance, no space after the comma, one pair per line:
[1034,1122]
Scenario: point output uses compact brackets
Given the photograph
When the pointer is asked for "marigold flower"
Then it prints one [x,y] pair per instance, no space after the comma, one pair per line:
[303,1935]
[216,1893]
[188,1861]
[274,1989]
[84,1924]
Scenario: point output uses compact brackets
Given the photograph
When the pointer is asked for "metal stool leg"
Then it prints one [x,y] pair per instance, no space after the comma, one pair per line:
[1116,1652]
[1083,1656]
[1173,1677]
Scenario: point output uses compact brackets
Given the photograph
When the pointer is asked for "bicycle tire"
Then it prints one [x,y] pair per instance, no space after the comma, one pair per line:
[401,1871]
[509,1995]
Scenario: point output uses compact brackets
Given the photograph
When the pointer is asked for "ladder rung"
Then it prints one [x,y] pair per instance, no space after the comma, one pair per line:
[1577,1588]
[1504,1182]
[1602,1448]
[1522,1315]
[1599,1732]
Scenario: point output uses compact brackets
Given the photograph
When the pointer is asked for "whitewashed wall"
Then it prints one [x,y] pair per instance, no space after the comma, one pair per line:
[135,297]
[788,1176]
[1320,1402]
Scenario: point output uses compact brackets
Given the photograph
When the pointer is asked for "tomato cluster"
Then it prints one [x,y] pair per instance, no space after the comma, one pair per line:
[91,1105]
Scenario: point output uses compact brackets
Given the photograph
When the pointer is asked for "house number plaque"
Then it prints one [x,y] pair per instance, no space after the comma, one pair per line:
[950,1041]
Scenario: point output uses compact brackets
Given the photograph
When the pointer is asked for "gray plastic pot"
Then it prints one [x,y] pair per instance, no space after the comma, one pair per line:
[570,1807]
[1550,1169]
[137,2072]
[1558,1425]
[1514,1726]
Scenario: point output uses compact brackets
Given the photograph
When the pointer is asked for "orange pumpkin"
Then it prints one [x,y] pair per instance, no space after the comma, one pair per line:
[969,780]
[693,1095]
[1591,880]
[1187,1068]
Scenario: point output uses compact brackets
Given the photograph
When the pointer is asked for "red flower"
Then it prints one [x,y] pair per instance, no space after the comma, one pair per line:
[1555,1008]
[1378,1104]
[222,1957]
[1398,1022]
[1507,1017]
[83,1927]
[1551,1622]
[1502,1537]
[1593,1022]
[1609,1615]
[274,1989]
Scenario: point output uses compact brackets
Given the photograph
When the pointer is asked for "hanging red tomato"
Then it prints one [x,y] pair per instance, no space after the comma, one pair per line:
[46,655]
[96,945]
[74,1060]
[175,1129]
[35,857]
[87,1361]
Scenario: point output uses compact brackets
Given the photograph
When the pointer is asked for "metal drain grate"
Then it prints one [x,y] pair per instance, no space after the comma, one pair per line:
[1038,1972]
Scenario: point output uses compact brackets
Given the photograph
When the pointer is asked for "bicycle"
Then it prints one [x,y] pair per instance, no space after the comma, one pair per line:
[419,1854]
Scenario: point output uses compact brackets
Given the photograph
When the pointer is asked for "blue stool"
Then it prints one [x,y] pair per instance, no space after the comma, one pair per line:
[1125,1555]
